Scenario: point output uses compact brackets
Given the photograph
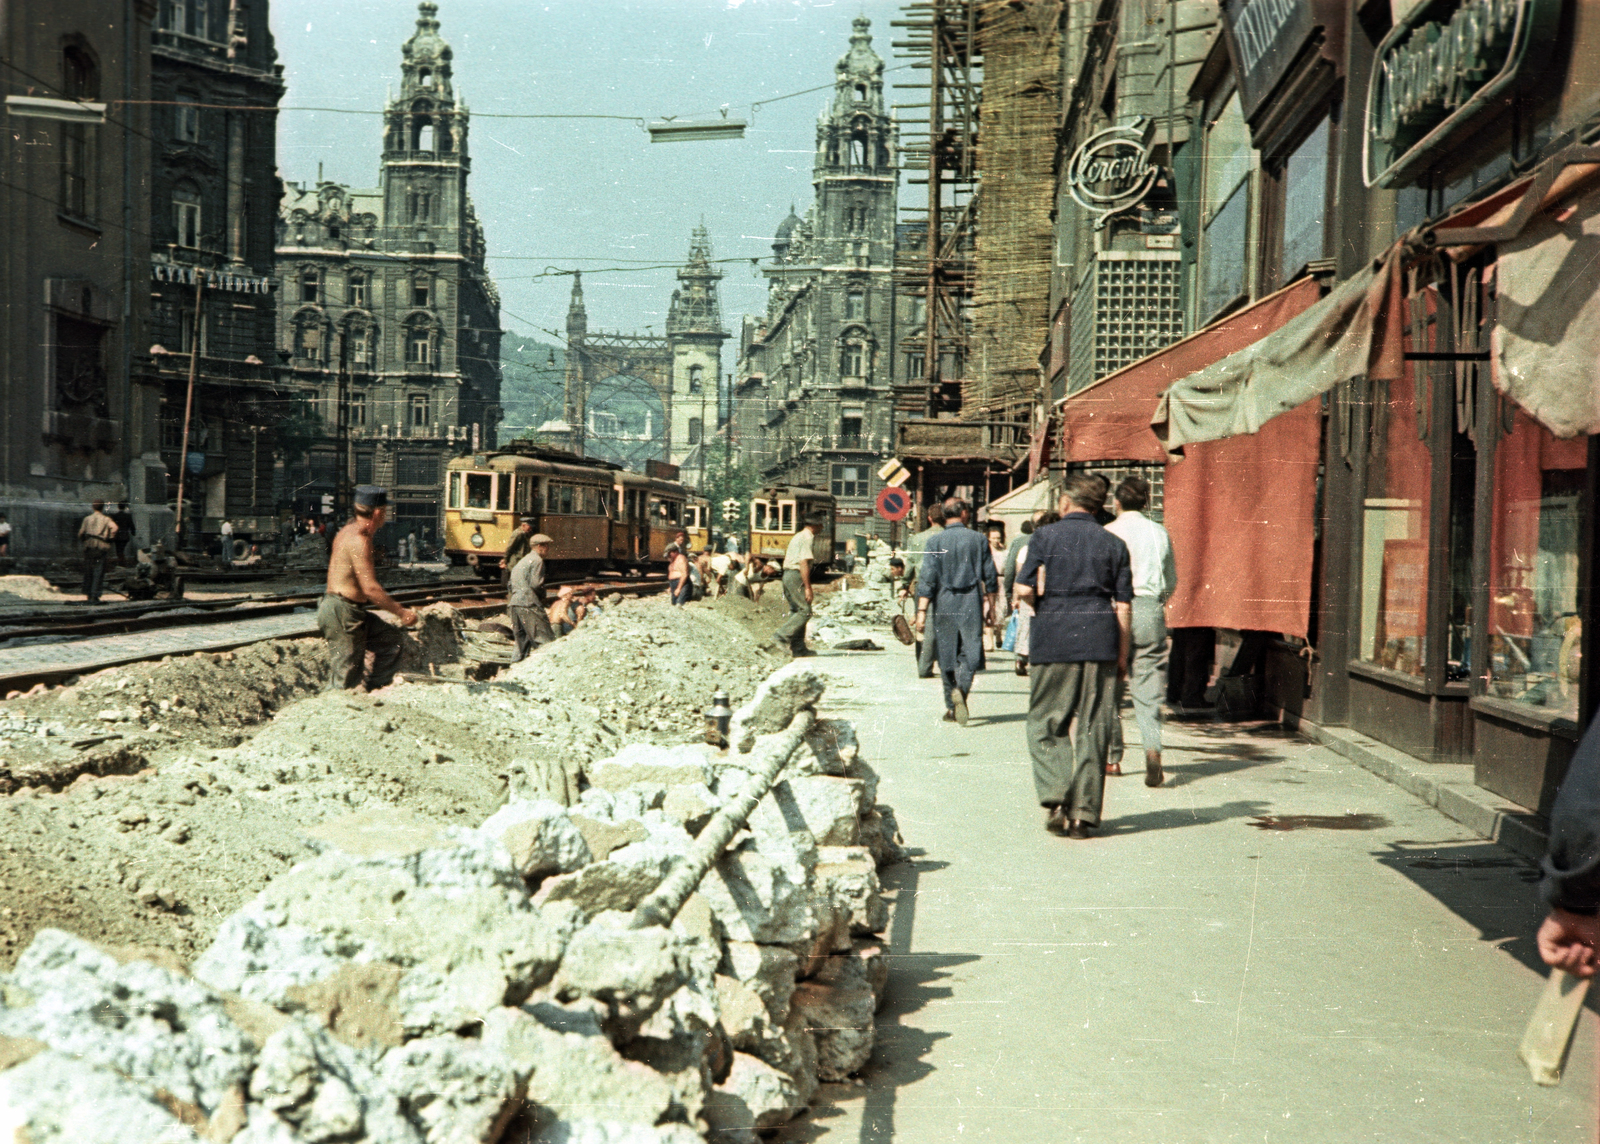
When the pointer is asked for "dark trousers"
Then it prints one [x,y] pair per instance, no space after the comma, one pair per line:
[683,593]
[532,628]
[353,632]
[793,629]
[958,633]
[1190,666]
[94,572]
[1069,761]
[122,550]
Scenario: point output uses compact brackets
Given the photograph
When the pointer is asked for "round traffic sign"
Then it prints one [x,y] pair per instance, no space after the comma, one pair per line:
[894,503]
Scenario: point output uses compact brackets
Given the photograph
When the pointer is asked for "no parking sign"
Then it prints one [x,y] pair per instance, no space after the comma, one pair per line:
[894,503]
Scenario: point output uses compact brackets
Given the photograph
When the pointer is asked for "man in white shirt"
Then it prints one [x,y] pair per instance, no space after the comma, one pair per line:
[1155,577]
[797,560]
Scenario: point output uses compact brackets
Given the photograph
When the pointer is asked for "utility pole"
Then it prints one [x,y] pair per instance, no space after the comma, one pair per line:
[344,484]
[188,401]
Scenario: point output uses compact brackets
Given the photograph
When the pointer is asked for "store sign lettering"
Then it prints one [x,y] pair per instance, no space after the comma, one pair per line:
[1111,172]
[1265,37]
[1433,78]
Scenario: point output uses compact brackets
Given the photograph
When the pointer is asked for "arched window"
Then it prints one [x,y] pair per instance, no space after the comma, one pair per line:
[696,375]
[186,215]
[309,342]
[310,285]
[858,148]
[424,138]
[861,93]
[694,430]
[80,76]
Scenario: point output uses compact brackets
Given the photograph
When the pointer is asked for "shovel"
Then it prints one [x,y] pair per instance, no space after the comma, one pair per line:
[1544,1045]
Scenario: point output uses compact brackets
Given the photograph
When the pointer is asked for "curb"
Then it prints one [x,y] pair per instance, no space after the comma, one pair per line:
[1447,787]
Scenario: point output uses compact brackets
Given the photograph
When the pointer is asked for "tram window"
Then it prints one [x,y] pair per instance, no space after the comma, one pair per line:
[502,500]
[524,498]
[478,488]
[605,502]
[786,517]
[760,508]
[673,510]
[566,500]
[453,498]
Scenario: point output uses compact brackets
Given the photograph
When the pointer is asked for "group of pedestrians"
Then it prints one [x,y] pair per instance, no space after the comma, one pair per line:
[1088,589]
[102,536]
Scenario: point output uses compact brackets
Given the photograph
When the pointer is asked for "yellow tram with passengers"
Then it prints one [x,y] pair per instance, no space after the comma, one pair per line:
[697,522]
[778,512]
[596,514]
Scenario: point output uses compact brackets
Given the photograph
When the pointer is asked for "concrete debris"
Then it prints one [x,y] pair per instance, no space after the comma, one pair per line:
[384,972]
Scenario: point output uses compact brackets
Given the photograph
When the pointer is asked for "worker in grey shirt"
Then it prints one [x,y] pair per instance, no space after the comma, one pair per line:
[529,620]
[1155,578]
[958,579]
[798,559]
[916,548]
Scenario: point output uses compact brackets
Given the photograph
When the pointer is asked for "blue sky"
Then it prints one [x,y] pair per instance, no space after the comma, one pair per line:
[590,194]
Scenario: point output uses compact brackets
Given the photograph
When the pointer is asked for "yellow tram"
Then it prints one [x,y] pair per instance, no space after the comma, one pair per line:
[595,513]
[778,512]
[697,522]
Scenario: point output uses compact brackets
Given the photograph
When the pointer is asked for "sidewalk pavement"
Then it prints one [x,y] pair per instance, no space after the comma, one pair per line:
[1277,945]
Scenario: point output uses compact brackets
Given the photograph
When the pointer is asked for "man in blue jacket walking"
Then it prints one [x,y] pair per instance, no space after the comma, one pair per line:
[958,578]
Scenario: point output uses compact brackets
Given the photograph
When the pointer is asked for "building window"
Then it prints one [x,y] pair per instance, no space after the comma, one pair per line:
[358,290]
[419,347]
[424,470]
[914,365]
[850,432]
[186,216]
[359,340]
[694,430]
[363,465]
[75,169]
[358,411]
[310,286]
[849,480]
[852,359]
[308,340]
[1225,210]
[425,137]
[696,373]
[186,128]
[80,363]
[419,411]
[1395,530]
[186,333]
[419,292]
[1535,634]
[855,306]
[425,77]
[1305,201]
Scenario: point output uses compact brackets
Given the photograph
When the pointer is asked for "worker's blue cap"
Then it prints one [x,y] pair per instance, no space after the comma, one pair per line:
[371,496]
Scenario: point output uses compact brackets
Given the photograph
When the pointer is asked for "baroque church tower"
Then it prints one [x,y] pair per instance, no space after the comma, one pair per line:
[425,160]
[695,334]
[854,171]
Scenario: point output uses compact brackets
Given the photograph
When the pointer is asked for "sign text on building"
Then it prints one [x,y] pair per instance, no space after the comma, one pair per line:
[1266,37]
[1111,172]
[1433,77]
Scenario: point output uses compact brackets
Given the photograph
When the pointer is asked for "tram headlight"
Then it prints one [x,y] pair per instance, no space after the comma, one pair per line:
[477,538]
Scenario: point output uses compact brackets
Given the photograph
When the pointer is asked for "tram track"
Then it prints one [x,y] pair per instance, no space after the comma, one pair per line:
[42,648]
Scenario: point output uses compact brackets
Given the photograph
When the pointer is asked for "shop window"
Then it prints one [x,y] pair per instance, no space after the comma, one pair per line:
[478,488]
[1535,633]
[1225,210]
[1395,516]
[849,481]
[1305,201]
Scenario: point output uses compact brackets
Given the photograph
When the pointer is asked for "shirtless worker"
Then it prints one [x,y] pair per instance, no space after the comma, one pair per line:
[345,615]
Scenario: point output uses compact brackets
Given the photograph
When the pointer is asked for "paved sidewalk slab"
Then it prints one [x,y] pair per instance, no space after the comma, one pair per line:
[1275,946]
[99,652]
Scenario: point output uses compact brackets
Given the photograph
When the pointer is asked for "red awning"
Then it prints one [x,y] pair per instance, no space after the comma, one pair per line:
[1110,420]
[1242,510]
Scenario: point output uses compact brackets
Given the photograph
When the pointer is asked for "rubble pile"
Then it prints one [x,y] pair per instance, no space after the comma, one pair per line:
[413,981]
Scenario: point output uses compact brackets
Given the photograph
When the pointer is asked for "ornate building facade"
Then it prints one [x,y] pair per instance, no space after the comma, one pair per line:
[389,323]
[813,399]
[214,198]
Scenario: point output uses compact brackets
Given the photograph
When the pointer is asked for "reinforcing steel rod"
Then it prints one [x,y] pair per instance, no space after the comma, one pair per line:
[667,899]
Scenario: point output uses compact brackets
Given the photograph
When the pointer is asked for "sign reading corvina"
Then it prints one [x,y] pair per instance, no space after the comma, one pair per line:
[1111,172]
[1434,78]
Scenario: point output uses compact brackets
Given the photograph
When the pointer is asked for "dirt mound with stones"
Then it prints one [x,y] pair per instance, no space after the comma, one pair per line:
[419,983]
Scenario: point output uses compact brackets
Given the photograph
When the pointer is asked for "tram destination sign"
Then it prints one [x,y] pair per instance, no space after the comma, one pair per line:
[1441,70]
[1111,172]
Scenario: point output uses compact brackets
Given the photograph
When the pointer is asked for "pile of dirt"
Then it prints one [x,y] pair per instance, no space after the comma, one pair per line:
[16,590]
[759,618]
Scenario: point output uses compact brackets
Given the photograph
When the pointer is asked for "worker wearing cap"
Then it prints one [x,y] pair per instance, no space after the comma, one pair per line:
[529,620]
[346,614]
[96,534]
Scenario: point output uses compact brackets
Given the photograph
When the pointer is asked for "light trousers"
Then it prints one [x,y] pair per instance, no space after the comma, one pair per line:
[1069,761]
[1147,676]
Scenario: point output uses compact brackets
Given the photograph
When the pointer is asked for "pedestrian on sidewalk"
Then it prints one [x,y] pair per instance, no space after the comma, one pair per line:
[1571,886]
[1024,607]
[1155,578]
[525,601]
[345,615]
[995,620]
[96,533]
[797,563]
[916,548]
[955,567]
[1078,578]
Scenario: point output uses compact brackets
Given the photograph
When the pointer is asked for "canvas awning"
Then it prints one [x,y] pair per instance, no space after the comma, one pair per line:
[1356,330]
[1110,420]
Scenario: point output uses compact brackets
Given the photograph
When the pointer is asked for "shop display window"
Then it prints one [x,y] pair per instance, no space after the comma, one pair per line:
[1394,533]
[1535,633]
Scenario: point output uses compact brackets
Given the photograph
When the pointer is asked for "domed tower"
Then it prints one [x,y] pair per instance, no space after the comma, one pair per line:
[854,173]
[785,236]
[695,336]
[425,158]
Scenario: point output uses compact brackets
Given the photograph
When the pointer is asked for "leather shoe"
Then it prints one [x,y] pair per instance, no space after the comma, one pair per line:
[949,716]
[1078,829]
[800,652]
[959,702]
[1022,667]
[1153,774]
[1057,822]
[1114,769]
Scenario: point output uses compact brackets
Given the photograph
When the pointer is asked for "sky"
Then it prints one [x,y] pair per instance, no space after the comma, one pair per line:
[594,195]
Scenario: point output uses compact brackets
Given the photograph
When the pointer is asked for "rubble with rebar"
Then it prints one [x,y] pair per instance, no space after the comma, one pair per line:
[437,941]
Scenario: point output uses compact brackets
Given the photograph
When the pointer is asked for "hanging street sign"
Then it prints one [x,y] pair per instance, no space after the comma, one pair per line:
[893,503]
[1435,80]
[1111,172]
[892,472]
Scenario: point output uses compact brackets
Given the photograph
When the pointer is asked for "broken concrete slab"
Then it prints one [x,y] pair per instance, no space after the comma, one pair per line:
[540,837]
[308,1087]
[620,882]
[457,1089]
[631,971]
[56,1098]
[851,876]
[829,808]
[839,1015]
[760,892]
[647,763]
[782,694]
[755,1096]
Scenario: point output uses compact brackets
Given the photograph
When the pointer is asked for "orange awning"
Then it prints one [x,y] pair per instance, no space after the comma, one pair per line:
[1110,420]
